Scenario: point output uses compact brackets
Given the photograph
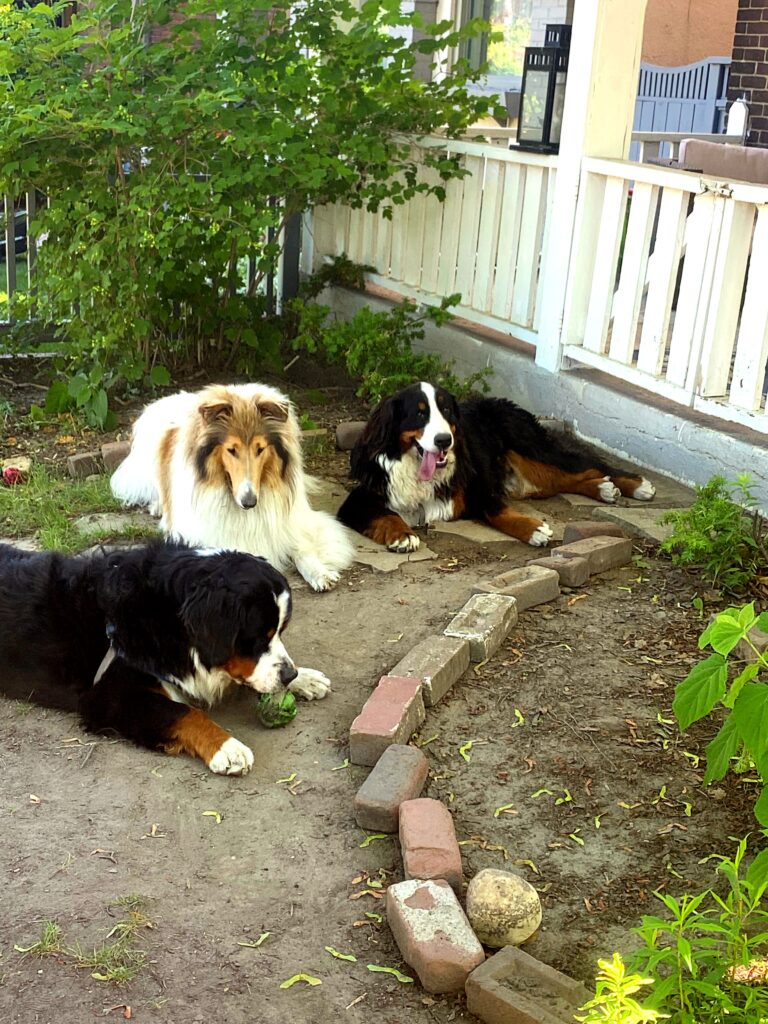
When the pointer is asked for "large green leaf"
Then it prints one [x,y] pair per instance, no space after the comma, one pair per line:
[700,691]
[750,715]
[721,749]
[729,627]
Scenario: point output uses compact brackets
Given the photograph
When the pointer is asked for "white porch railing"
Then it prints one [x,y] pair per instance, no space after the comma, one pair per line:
[672,295]
[485,241]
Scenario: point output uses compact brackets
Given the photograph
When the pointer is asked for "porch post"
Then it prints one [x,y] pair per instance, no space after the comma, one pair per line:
[603,71]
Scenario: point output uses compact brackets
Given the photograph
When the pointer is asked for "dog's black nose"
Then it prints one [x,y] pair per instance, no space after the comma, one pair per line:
[443,441]
[288,673]
[249,501]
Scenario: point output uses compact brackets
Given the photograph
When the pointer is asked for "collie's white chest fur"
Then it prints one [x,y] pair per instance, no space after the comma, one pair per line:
[412,498]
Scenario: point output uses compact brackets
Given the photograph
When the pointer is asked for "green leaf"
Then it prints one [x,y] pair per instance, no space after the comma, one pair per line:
[159,376]
[404,978]
[700,691]
[757,873]
[735,688]
[750,714]
[58,398]
[308,978]
[728,628]
[372,839]
[340,956]
[761,808]
[721,749]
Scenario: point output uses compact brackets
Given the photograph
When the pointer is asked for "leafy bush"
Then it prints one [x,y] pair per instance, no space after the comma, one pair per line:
[745,697]
[722,534]
[171,159]
[700,952]
[377,347]
[614,991]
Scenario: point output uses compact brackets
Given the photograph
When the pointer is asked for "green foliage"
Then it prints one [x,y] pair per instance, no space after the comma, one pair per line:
[721,534]
[740,689]
[277,710]
[172,162]
[377,347]
[614,991]
[699,949]
[506,47]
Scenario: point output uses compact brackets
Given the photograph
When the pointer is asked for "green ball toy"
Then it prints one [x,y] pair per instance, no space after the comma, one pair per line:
[276,710]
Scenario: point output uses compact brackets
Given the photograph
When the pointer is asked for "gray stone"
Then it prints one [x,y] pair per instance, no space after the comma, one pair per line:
[84,465]
[602,553]
[113,522]
[529,585]
[348,433]
[438,661]
[398,775]
[485,621]
[642,522]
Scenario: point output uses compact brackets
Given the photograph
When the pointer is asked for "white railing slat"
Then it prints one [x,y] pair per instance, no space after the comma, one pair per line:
[529,246]
[509,234]
[606,258]
[487,236]
[433,227]
[752,345]
[662,278]
[468,228]
[399,241]
[449,240]
[633,266]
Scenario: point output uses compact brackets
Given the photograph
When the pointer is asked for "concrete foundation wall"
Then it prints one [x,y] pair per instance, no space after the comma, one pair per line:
[648,431]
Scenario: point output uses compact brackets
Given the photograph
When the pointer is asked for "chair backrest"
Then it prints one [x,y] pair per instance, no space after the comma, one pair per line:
[723,160]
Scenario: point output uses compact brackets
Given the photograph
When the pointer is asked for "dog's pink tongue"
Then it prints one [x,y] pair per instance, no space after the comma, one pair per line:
[428,465]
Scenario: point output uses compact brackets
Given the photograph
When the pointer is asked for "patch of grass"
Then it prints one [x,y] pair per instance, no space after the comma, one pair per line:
[46,505]
[49,941]
[117,962]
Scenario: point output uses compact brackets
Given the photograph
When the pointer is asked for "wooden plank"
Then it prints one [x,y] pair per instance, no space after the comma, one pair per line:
[529,247]
[433,227]
[449,241]
[468,228]
[481,149]
[725,302]
[513,187]
[538,304]
[583,254]
[665,177]
[698,256]
[633,267]
[355,236]
[399,241]
[662,277]
[488,236]
[414,250]
[341,230]
[752,345]
[606,260]
[368,239]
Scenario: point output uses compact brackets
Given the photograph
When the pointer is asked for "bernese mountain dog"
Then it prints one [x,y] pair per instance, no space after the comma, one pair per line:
[134,639]
[424,457]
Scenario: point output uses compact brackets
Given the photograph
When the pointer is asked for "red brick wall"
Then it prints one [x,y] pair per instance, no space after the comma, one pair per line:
[749,68]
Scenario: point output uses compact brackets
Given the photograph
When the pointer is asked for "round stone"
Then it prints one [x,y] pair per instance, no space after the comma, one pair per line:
[503,909]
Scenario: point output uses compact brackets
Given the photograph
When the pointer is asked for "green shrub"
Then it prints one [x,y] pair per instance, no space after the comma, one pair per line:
[169,164]
[721,534]
[614,992]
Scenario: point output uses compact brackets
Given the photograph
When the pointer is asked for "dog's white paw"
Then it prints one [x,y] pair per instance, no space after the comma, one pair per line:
[232,758]
[310,684]
[318,576]
[608,492]
[645,491]
[405,544]
[541,536]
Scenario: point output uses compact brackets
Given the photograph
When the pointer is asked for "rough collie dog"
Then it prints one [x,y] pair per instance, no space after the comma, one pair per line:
[424,457]
[223,468]
[132,639]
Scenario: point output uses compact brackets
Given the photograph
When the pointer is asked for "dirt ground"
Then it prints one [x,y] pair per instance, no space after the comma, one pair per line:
[572,736]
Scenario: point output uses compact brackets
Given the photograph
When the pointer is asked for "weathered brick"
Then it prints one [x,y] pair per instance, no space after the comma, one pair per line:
[398,775]
[438,662]
[428,842]
[529,585]
[84,464]
[572,572]
[394,710]
[348,433]
[485,621]
[602,553]
[113,453]
[512,987]
[581,528]
[433,934]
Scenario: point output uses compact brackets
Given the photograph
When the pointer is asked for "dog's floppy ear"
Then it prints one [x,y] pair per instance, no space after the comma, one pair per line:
[273,411]
[210,618]
[213,411]
[379,436]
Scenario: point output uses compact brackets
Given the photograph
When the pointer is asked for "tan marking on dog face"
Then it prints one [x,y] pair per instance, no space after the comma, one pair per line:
[239,668]
[407,438]
[253,462]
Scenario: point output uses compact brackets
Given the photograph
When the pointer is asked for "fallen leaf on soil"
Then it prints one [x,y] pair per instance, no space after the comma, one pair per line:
[356,1001]
[541,792]
[366,892]
[504,809]
[34,799]
[65,439]
[576,838]
[424,743]
[465,748]
[289,778]
[340,767]
[372,838]
[527,864]
[374,917]
[155,772]
[687,808]
[566,798]
[213,814]
[300,977]
[396,639]
[582,597]
[404,978]
[255,945]
[671,827]
[519,719]
[630,807]
[340,956]
[153,832]
[127,1011]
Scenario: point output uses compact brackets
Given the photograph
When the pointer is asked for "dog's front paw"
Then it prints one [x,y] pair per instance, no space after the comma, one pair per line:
[324,580]
[645,491]
[541,536]
[608,492]
[409,542]
[232,758]
[310,684]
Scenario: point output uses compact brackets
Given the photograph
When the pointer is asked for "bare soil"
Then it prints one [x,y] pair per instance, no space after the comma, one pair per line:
[576,777]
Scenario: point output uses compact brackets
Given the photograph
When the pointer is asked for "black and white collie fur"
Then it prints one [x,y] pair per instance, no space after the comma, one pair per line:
[223,467]
[424,457]
[132,639]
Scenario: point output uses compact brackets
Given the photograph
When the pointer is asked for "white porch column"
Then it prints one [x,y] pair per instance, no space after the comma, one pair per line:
[603,72]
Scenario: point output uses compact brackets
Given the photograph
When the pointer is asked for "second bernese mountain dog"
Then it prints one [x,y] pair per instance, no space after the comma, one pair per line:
[134,639]
[424,457]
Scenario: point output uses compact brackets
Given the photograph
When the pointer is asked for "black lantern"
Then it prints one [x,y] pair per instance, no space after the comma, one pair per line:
[543,91]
